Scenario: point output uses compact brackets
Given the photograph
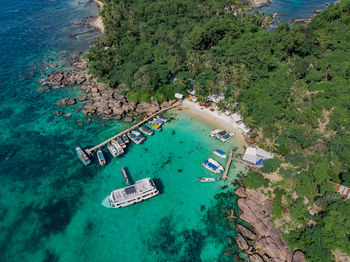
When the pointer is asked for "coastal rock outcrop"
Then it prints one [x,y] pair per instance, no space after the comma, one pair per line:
[242,242]
[255,210]
[256,258]
[246,232]
[259,3]
[61,78]
[298,256]
[67,101]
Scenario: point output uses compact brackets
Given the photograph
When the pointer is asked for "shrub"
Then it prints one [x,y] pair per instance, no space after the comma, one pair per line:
[254,180]
[271,165]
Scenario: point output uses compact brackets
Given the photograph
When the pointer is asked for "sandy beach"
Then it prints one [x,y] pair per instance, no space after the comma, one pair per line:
[218,119]
[98,22]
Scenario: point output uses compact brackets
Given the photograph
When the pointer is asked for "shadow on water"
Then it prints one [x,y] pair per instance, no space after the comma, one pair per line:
[131,180]
[159,185]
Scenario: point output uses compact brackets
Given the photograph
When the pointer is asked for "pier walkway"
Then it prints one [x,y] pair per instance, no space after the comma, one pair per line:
[227,168]
[90,151]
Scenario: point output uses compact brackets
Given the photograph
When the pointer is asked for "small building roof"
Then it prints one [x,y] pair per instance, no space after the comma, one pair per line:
[263,153]
[255,154]
[243,127]
[237,117]
[179,96]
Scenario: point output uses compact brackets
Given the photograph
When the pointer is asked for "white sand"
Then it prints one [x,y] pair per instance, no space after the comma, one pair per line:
[98,22]
[216,118]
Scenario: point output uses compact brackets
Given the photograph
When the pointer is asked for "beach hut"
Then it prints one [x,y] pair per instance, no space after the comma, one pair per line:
[216,98]
[244,128]
[256,155]
[178,96]
[237,117]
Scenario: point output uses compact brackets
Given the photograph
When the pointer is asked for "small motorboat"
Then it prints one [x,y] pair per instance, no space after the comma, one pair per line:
[125,139]
[82,156]
[101,158]
[121,142]
[146,130]
[214,132]
[220,153]
[162,118]
[213,166]
[125,177]
[209,179]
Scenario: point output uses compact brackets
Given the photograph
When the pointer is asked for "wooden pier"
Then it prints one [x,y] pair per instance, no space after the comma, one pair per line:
[227,168]
[90,151]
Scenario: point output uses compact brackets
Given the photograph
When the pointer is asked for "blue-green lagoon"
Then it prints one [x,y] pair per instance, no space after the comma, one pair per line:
[50,203]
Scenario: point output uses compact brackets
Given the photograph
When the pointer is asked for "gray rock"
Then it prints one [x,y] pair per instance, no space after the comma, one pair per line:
[89,109]
[246,232]
[80,64]
[67,101]
[298,256]
[67,115]
[58,113]
[128,119]
[241,242]
[241,193]
[117,117]
[82,97]
[256,258]
[43,89]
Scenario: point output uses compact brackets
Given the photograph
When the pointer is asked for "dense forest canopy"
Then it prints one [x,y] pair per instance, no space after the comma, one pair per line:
[292,85]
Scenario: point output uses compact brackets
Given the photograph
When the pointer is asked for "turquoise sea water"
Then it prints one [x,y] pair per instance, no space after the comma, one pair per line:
[292,9]
[50,204]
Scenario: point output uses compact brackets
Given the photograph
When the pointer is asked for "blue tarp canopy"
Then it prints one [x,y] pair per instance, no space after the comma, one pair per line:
[259,162]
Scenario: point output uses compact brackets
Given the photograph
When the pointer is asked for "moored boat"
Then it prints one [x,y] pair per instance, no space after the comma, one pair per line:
[121,142]
[209,179]
[138,134]
[101,158]
[214,132]
[118,147]
[158,121]
[213,166]
[142,189]
[154,126]
[220,153]
[112,150]
[146,130]
[125,177]
[126,139]
[134,138]
[82,156]
[163,119]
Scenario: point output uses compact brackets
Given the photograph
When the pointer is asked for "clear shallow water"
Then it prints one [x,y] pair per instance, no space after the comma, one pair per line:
[292,9]
[50,203]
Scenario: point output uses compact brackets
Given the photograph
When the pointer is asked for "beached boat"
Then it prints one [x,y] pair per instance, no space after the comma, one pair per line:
[125,177]
[146,130]
[213,166]
[112,150]
[121,142]
[143,189]
[82,156]
[163,119]
[220,153]
[209,179]
[126,139]
[214,132]
[101,158]
[134,138]
[116,145]
[226,137]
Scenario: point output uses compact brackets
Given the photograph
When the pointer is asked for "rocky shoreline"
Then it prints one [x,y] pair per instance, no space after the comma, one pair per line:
[99,99]
[262,242]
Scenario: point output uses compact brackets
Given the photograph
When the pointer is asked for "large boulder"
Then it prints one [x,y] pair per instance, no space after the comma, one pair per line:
[246,232]
[88,109]
[80,64]
[242,242]
[259,3]
[82,97]
[256,258]
[255,210]
[298,256]
[55,78]
[128,119]
[67,101]
[241,192]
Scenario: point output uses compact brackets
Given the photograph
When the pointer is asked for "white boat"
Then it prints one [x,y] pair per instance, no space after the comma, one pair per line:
[138,134]
[214,132]
[209,179]
[112,150]
[101,158]
[146,130]
[142,189]
[118,147]
[213,166]
[226,137]
[220,153]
